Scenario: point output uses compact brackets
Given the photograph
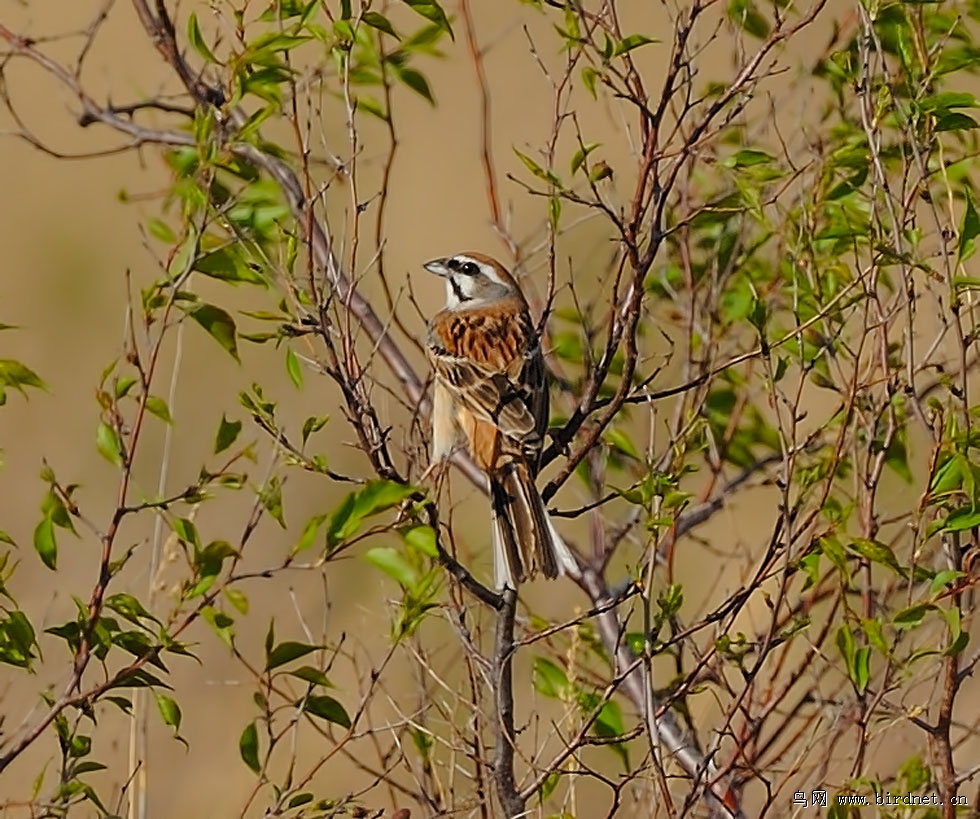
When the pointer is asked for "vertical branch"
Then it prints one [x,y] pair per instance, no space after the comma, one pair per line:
[503,757]
[941,735]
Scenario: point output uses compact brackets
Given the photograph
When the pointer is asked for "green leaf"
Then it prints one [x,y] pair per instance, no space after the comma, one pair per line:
[17,640]
[810,566]
[221,624]
[620,440]
[549,679]
[129,607]
[209,562]
[950,475]
[294,369]
[609,723]
[536,169]
[196,39]
[308,538]
[948,99]
[912,616]
[300,799]
[376,496]
[52,506]
[271,497]
[393,564]
[897,459]
[223,264]
[627,44]
[237,599]
[955,121]
[961,519]
[79,745]
[879,553]
[915,773]
[548,786]
[286,653]
[344,31]
[326,708]
[45,543]
[17,375]
[433,12]
[958,638]
[600,171]
[371,105]
[248,747]
[578,159]
[861,669]
[944,578]
[124,385]
[270,637]
[89,766]
[218,324]
[589,78]
[422,539]
[554,212]
[185,529]
[228,432]
[845,644]
[140,678]
[313,424]
[312,675]
[271,42]
[745,15]
[108,443]
[158,407]
[670,600]
[161,230]
[876,635]
[970,229]
[424,40]
[417,82]
[266,85]
[169,710]
[380,22]
[748,158]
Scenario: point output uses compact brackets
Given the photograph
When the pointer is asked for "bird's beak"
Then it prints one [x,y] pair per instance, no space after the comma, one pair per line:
[437,266]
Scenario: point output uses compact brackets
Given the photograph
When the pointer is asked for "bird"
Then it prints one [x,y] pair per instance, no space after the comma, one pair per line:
[491,394]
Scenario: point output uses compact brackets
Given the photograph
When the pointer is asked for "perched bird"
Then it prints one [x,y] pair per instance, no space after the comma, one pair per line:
[491,394]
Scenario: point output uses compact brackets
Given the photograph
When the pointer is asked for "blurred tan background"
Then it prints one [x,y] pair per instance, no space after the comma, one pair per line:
[68,240]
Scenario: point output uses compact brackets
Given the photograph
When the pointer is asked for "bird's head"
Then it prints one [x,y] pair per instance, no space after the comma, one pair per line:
[473,279]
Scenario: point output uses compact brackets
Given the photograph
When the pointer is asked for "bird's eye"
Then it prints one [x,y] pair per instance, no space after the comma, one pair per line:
[469,269]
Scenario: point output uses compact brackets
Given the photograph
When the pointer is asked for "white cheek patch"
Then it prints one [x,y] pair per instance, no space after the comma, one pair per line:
[452,299]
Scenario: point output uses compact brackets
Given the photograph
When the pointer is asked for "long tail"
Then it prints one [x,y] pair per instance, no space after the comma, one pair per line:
[524,538]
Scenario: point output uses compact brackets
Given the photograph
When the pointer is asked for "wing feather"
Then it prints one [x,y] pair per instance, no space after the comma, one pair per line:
[495,368]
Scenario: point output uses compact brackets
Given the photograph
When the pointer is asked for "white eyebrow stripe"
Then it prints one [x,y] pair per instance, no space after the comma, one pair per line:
[487,270]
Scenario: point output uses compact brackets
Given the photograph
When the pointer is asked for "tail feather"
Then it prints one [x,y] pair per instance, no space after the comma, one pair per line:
[524,538]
